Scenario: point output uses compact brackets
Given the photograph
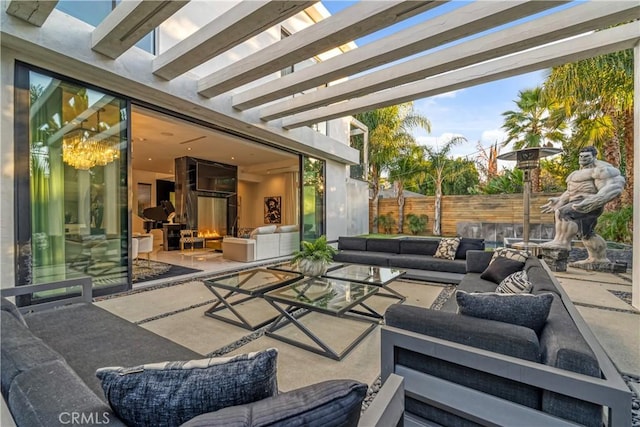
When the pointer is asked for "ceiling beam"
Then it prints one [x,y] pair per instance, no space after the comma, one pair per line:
[553,27]
[237,25]
[554,54]
[34,12]
[462,22]
[358,20]
[129,22]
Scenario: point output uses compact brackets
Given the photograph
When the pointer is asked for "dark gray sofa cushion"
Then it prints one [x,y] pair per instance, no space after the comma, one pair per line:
[20,350]
[332,403]
[9,307]
[352,243]
[383,245]
[526,310]
[504,338]
[363,257]
[51,394]
[84,335]
[563,346]
[539,277]
[477,261]
[425,262]
[419,246]
[172,393]
[468,244]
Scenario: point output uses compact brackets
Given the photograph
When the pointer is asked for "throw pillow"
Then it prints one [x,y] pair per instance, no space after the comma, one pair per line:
[265,229]
[510,253]
[331,403]
[526,310]
[287,228]
[516,283]
[447,248]
[499,269]
[172,393]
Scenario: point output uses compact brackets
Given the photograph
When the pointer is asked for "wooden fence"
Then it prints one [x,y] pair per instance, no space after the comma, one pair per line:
[479,209]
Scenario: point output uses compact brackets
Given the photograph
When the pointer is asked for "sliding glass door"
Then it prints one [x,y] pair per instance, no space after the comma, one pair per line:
[313,198]
[71,183]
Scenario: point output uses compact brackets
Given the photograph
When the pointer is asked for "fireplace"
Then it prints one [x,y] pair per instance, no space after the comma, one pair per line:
[212,217]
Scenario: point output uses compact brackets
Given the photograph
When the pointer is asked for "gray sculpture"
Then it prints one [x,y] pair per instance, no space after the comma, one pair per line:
[577,210]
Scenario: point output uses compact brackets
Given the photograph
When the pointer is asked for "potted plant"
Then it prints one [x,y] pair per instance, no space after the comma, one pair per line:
[315,257]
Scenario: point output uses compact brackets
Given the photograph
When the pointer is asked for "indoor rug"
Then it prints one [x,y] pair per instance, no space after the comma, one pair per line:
[144,271]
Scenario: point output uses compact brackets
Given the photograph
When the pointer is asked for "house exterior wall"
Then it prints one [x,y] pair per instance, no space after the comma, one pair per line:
[62,46]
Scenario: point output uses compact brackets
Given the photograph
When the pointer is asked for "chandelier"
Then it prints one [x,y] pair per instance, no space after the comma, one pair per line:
[84,148]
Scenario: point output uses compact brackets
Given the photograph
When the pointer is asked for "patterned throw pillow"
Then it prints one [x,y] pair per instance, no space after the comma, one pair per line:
[172,393]
[516,283]
[528,310]
[447,248]
[510,253]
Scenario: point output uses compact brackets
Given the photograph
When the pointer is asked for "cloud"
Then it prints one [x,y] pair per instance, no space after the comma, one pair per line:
[491,136]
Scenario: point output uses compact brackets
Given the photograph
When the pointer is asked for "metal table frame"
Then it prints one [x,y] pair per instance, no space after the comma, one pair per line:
[291,311]
[222,303]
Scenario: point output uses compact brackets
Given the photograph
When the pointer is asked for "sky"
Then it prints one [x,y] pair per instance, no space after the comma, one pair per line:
[475,112]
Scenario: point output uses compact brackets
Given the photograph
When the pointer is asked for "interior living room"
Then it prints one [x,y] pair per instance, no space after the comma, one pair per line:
[194,186]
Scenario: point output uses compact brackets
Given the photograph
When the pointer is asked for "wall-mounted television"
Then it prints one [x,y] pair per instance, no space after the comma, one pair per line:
[216,177]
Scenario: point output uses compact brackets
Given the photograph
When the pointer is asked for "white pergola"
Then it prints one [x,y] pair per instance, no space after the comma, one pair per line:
[410,64]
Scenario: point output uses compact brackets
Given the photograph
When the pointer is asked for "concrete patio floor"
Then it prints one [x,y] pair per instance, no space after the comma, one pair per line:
[176,311]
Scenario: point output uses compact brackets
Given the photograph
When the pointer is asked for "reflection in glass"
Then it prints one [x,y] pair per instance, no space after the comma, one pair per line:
[78,214]
[313,202]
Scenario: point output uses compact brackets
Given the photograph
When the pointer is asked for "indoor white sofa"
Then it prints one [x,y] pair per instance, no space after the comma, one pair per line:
[269,241]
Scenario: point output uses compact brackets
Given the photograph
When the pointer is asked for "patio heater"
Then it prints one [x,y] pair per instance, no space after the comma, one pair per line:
[528,159]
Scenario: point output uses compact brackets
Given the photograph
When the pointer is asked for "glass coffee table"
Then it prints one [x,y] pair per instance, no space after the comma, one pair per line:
[293,267]
[370,275]
[252,283]
[327,296]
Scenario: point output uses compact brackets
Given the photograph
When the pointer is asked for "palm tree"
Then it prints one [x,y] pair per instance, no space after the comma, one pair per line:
[404,169]
[389,132]
[598,94]
[439,170]
[531,125]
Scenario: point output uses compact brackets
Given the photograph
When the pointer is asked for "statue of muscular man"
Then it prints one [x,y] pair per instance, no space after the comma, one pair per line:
[577,209]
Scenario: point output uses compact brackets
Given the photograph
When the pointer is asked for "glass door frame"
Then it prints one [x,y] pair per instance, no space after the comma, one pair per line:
[22,194]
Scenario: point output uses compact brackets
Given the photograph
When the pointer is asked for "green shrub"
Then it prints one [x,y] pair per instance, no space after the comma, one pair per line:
[385,222]
[417,223]
[616,226]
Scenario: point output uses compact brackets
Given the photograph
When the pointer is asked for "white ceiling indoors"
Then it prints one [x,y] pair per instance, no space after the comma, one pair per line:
[158,139]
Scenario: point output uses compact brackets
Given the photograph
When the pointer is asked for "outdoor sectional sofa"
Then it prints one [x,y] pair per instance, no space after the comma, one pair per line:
[414,255]
[50,357]
[463,370]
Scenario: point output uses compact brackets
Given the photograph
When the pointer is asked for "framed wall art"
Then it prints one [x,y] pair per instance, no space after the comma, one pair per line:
[272,210]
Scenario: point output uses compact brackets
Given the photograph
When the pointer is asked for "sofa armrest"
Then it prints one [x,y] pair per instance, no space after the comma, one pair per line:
[477,261]
[602,391]
[387,408]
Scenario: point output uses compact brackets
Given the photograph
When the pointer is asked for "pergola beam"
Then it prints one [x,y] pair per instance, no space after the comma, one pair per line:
[232,28]
[34,12]
[129,22]
[356,21]
[557,26]
[586,46]
[462,22]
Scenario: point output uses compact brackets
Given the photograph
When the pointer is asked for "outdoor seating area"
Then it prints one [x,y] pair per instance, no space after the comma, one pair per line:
[358,327]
